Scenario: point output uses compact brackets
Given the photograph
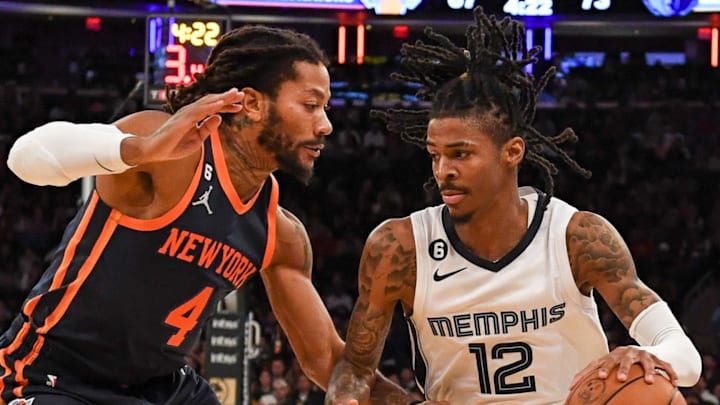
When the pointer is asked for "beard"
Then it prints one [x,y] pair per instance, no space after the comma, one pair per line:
[277,142]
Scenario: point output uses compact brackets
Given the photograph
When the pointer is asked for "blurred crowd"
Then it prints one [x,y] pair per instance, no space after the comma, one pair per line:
[650,135]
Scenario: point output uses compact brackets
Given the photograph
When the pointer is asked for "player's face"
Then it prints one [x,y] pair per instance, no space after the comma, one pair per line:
[468,166]
[297,120]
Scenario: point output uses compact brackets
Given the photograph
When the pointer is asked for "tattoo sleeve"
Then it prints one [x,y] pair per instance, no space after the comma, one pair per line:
[600,259]
[386,276]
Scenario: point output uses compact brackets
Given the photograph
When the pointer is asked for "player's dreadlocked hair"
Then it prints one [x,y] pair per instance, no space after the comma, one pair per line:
[487,81]
[256,56]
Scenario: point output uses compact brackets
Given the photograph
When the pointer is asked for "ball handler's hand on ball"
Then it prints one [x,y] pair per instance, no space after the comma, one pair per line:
[355,402]
[621,359]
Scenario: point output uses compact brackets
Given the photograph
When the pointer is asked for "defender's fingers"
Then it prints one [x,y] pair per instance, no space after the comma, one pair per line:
[210,124]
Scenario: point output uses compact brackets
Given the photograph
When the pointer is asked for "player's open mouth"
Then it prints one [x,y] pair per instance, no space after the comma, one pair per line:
[315,150]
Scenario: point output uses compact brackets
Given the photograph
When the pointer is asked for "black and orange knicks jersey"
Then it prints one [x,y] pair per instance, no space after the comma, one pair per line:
[124,299]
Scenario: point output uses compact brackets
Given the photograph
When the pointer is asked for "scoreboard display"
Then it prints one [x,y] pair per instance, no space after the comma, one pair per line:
[539,8]
[176,49]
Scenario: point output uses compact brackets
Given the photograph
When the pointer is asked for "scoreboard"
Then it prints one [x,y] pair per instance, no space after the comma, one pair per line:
[176,49]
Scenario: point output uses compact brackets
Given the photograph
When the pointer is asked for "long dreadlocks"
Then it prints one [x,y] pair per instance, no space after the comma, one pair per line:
[487,79]
[256,56]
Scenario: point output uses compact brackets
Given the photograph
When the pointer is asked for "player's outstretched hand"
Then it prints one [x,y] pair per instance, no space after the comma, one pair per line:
[621,359]
[187,128]
[355,402]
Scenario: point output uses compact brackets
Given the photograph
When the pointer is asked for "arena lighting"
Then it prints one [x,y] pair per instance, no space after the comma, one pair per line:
[326,4]
[530,42]
[707,6]
[342,51]
[154,25]
[93,24]
[664,8]
[360,44]
[547,50]
[401,31]
[714,48]
[381,7]
[704,33]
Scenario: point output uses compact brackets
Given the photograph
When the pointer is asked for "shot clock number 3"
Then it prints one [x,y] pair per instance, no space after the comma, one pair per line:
[177,48]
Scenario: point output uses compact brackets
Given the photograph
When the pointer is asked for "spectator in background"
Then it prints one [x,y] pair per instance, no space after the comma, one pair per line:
[278,368]
[263,385]
[280,394]
[306,392]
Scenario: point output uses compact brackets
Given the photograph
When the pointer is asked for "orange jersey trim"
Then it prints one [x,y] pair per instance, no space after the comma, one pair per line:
[167,218]
[66,300]
[271,223]
[69,254]
[85,270]
[224,178]
[29,359]
[57,281]
[10,349]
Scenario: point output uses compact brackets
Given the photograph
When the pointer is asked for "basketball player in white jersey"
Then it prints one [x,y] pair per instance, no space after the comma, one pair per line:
[497,282]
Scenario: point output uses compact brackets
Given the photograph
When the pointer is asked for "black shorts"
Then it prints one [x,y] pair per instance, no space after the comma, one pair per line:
[184,386]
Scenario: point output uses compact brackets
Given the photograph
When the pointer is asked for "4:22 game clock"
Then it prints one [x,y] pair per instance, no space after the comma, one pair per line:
[176,48]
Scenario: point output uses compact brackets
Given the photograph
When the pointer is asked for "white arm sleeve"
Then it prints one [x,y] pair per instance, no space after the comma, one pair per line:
[60,152]
[657,330]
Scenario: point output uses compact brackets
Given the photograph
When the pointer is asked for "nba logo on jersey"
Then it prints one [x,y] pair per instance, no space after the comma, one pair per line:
[22,401]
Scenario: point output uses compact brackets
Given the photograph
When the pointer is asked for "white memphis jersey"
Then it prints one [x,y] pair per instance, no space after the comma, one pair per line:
[514,331]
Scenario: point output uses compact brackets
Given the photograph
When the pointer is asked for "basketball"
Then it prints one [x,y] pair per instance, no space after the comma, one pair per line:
[593,390]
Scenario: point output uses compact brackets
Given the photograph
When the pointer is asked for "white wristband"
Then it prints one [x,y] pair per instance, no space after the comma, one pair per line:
[60,152]
[657,330]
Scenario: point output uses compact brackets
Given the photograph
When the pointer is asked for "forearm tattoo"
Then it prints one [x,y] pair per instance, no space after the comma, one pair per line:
[386,264]
[597,252]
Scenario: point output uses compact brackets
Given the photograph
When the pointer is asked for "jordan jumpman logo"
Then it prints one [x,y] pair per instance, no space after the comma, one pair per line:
[204,200]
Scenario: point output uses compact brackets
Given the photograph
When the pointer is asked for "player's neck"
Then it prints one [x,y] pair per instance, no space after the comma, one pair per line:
[495,231]
[248,164]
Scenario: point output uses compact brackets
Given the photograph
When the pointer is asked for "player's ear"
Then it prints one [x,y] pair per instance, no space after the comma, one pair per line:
[514,151]
[253,104]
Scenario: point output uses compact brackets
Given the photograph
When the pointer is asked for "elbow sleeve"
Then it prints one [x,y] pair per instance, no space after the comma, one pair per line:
[60,152]
[32,163]
[657,330]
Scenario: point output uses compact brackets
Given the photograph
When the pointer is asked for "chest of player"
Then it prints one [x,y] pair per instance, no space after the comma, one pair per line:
[462,299]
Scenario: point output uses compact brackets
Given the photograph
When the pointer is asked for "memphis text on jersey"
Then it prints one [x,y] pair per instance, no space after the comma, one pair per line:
[495,323]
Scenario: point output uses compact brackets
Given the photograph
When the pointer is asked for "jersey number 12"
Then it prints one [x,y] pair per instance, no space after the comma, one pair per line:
[499,378]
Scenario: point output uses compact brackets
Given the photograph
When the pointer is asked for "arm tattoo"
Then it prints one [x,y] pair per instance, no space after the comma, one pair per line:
[388,265]
[599,255]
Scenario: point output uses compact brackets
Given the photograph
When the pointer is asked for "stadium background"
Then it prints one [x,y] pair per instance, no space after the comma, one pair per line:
[641,90]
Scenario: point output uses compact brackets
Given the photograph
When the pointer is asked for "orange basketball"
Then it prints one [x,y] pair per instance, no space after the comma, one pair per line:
[635,391]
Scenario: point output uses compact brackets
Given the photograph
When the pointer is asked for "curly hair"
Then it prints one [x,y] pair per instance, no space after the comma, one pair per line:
[256,56]
[487,81]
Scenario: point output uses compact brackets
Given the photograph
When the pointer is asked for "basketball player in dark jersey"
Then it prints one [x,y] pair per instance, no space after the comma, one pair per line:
[184,210]
[497,282]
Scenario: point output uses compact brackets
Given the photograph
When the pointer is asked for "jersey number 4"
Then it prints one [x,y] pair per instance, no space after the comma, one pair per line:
[185,317]
[499,378]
